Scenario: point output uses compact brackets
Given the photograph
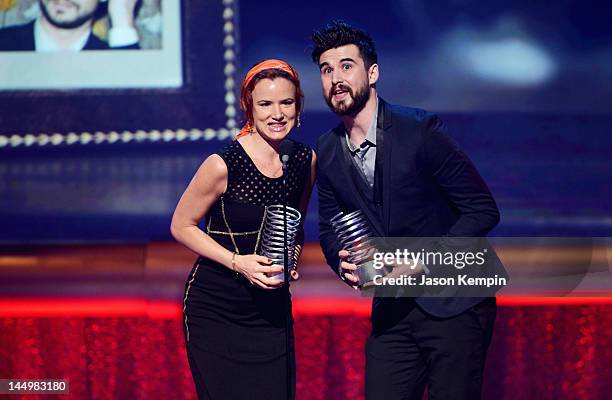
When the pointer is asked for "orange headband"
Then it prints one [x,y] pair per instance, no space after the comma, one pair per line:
[248,78]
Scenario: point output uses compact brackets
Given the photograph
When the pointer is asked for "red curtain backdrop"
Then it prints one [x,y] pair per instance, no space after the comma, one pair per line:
[538,352]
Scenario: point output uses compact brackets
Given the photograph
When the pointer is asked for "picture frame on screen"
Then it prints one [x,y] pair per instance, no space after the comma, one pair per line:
[104,53]
[179,74]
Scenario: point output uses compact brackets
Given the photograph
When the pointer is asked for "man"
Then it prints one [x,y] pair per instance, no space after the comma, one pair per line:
[410,180]
[66,25]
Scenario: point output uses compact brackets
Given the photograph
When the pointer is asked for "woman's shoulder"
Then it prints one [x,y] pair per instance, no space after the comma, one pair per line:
[232,154]
[212,175]
[302,158]
[301,149]
[228,150]
[214,166]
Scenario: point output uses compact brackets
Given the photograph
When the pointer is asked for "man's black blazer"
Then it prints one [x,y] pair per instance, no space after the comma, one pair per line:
[429,189]
[21,38]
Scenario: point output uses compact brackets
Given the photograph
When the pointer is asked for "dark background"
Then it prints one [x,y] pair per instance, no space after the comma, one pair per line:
[524,87]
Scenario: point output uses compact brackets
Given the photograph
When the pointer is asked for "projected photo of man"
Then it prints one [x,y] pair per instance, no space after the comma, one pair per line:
[68,25]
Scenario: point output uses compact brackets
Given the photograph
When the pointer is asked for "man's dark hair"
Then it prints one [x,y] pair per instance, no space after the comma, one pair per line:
[338,33]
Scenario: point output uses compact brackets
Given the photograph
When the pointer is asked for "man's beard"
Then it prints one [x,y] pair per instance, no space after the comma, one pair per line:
[75,23]
[360,98]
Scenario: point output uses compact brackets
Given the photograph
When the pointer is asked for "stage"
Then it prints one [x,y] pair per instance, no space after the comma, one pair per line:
[109,320]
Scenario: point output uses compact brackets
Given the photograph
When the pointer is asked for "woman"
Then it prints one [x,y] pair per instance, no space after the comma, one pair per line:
[234,315]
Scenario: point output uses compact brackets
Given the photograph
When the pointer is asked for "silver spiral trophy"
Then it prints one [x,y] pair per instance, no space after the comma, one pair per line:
[272,240]
[353,232]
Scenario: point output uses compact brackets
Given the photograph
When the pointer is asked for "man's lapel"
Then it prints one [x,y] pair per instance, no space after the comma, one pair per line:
[383,130]
[343,159]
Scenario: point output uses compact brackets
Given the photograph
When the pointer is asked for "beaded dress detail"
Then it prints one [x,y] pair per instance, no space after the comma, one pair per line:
[235,332]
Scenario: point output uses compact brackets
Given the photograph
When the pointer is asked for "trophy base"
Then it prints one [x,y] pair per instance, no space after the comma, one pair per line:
[281,276]
[366,272]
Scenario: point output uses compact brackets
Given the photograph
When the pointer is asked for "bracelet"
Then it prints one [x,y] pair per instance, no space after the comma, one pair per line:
[234,261]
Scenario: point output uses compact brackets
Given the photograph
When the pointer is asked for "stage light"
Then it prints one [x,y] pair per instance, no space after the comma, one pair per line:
[223,134]
[181,135]
[230,98]
[127,136]
[510,61]
[29,139]
[209,134]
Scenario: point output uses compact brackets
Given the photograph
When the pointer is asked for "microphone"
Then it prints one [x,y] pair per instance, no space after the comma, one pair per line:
[286,148]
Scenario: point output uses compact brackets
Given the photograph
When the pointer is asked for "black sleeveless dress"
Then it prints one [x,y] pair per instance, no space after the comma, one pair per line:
[234,331]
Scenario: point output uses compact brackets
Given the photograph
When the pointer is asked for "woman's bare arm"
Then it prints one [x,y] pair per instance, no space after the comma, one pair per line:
[208,184]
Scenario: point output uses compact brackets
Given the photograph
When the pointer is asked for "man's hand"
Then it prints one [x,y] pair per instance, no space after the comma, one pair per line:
[347,270]
[121,13]
[403,269]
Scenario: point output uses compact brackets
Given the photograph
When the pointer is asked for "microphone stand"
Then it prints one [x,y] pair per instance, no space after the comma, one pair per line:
[284,160]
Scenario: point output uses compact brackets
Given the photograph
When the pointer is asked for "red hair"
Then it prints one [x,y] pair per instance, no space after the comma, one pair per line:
[267,69]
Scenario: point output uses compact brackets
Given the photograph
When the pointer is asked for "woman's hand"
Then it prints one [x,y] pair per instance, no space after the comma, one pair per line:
[294,275]
[256,269]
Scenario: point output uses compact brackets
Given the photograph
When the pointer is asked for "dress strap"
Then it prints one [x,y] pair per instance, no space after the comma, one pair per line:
[232,234]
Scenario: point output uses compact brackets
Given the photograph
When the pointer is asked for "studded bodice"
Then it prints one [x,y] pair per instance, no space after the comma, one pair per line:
[249,191]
